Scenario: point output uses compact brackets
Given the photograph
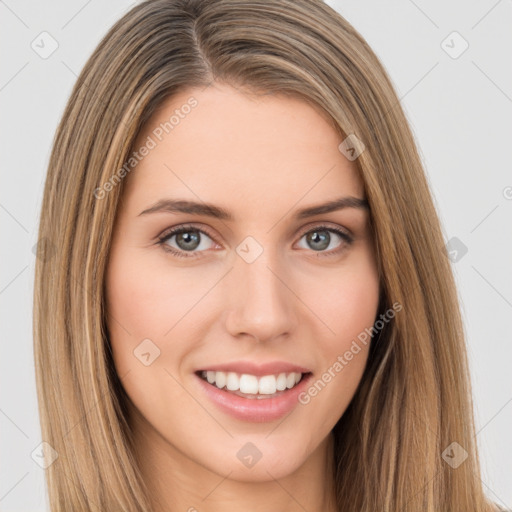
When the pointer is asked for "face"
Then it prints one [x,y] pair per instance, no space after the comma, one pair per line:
[223,290]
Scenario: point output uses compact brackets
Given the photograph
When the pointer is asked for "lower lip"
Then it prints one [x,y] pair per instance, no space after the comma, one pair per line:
[254,409]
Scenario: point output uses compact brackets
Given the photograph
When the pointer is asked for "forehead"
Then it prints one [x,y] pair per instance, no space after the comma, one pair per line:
[229,147]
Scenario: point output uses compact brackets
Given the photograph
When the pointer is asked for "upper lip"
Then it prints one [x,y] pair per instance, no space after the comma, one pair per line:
[257,369]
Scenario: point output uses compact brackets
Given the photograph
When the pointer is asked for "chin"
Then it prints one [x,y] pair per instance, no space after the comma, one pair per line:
[259,458]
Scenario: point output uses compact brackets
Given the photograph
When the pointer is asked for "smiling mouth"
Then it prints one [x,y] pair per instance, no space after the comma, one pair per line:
[252,386]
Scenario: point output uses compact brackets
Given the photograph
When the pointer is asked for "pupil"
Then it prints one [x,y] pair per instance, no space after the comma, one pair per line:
[324,239]
[188,240]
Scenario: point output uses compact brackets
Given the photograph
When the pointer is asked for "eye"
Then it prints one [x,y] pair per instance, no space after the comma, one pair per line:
[320,238]
[188,239]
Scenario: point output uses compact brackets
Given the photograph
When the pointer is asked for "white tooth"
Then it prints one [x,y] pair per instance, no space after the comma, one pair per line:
[281,382]
[220,379]
[267,385]
[248,384]
[232,382]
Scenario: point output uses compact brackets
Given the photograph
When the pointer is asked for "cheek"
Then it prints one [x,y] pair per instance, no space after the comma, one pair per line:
[352,306]
[348,307]
[144,302]
[349,302]
[146,298]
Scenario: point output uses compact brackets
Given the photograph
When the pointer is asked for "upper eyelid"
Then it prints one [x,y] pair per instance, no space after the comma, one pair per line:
[167,233]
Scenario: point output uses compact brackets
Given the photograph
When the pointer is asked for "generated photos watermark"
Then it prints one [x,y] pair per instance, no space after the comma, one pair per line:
[151,142]
[343,360]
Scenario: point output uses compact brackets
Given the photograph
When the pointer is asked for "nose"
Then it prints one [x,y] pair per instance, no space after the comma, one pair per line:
[261,302]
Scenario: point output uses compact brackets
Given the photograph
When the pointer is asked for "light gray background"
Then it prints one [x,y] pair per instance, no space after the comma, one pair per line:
[460,111]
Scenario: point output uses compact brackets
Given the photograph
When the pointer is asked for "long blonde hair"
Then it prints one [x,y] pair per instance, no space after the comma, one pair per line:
[414,399]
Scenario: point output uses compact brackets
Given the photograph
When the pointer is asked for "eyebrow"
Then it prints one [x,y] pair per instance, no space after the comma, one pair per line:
[211,210]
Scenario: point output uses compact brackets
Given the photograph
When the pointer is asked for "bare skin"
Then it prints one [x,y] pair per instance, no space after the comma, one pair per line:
[261,158]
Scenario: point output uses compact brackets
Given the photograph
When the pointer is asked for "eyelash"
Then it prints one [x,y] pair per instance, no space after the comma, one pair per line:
[188,254]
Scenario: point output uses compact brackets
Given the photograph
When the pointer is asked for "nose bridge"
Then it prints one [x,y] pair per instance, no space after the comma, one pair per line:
[260,303]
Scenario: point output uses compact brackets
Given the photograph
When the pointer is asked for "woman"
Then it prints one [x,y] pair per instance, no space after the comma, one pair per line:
[251,307]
